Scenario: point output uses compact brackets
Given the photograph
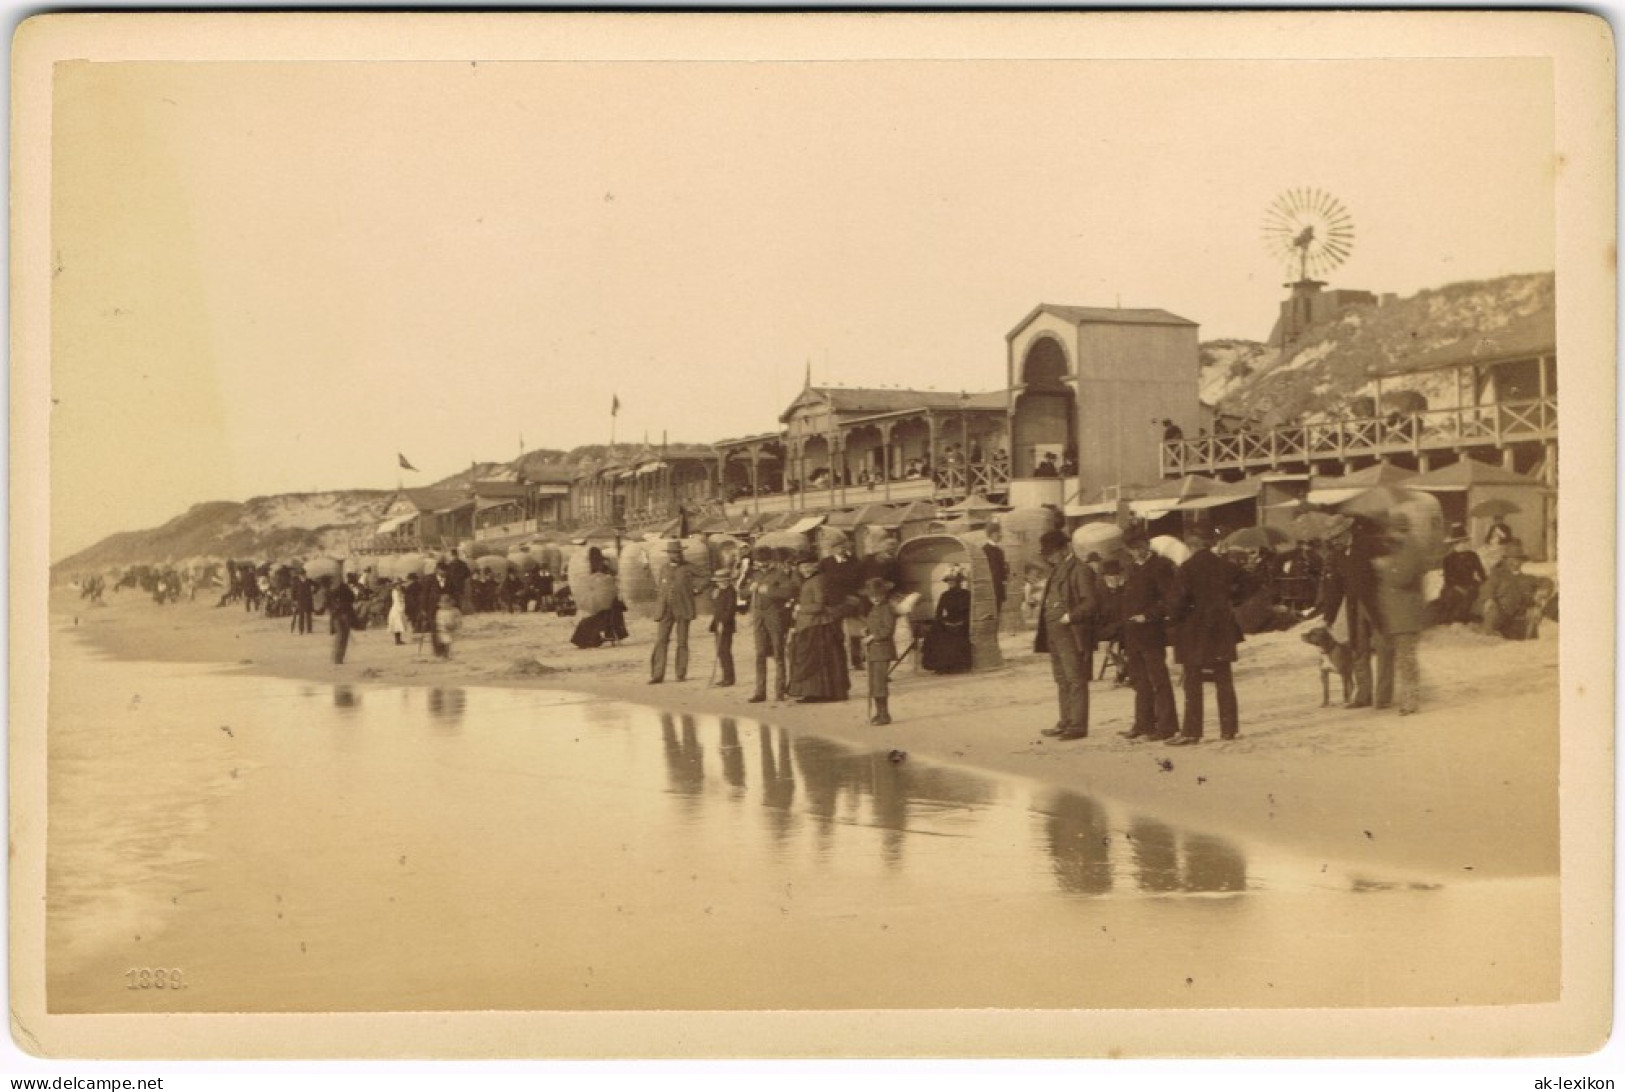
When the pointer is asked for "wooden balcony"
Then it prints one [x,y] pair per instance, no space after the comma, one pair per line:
[948,484]
[1497,425]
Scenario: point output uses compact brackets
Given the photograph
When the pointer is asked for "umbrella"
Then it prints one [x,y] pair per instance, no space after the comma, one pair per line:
[1377,503]
[1495,506]
[1105,539]
[1171,548]
[1253,538]
[524,559]
[1310,526]
[492,563]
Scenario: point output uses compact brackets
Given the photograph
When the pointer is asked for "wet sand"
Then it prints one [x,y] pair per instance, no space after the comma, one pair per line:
[1466,789]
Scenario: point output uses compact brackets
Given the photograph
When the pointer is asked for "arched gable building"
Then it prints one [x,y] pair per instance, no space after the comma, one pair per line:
[1092,386]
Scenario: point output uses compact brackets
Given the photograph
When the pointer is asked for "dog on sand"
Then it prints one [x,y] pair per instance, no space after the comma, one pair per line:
[1335,659]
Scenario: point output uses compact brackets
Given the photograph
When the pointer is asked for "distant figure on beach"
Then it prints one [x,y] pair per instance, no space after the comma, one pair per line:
[304,604]
[1148,589]
[879,646]
[770,592]
[1463,575]
[677,583]
[440,608]
[1206,587]
[397,611]
[843,581]
[998,569]
[947,645]
[818,670]
[1509,598]
[724,605]
[1400,569]
[340,615]
[1349,597]
[1065,630]
[602,618]
[457,576]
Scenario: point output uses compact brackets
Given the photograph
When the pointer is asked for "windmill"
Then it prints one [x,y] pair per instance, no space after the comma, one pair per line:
[1312,233]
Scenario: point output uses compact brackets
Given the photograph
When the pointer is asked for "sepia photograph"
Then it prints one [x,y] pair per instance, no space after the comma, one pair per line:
[829,536]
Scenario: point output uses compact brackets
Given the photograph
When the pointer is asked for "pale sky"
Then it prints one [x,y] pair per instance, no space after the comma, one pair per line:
[274,277]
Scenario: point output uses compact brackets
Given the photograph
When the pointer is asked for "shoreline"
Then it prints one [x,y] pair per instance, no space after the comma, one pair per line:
[1466,789]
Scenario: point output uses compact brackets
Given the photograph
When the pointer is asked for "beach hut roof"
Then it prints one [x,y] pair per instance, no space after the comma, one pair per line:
[1469,472]
[872,515]
[1096,316]
[1377,474]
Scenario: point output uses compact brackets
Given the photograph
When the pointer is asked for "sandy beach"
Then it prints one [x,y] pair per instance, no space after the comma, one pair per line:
[1468,788]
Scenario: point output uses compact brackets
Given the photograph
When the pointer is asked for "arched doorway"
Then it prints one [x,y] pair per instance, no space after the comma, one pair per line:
[1045,415]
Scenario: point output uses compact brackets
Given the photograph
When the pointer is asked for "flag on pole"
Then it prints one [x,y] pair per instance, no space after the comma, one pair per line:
[404,464]
[614,404]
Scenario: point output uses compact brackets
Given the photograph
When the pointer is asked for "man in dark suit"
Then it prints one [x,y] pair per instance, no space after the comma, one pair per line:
[1065,630]
[998,569]
[724,605]
[676,585]
[772,590]
[1351,589]
[458,576]
[1204,592]
[341,615]
[843,583]
[1143,608]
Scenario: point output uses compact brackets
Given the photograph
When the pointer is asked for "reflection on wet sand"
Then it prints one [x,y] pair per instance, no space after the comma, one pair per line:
[1081,844]
[778,782]
[1079,841]
[733,755]
[644,845]
[446,706]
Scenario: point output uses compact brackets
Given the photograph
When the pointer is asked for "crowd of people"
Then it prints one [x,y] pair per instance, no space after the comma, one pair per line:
[816,620]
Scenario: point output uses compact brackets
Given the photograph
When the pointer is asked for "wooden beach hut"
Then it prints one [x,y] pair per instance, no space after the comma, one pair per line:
[924,561]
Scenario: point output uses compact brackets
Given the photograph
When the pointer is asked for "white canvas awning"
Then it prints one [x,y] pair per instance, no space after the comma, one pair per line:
[393,524]
[1336,496]
[1101,509]
[802,526]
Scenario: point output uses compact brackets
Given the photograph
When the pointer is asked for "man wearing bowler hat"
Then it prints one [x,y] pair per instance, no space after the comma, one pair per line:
[1206,587]
[1143,609]
[676,586]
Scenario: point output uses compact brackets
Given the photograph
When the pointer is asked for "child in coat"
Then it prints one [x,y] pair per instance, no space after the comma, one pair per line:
[880,645]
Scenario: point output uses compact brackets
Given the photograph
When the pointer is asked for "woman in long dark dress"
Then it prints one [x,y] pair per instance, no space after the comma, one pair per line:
[818,670]
[947,644]
[603,614]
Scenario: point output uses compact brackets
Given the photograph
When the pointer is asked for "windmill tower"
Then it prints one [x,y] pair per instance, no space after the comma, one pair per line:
[1312,233]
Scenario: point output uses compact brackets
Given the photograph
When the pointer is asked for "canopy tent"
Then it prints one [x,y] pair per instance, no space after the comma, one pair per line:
[1466,473]
[1469,490]
[1330,491]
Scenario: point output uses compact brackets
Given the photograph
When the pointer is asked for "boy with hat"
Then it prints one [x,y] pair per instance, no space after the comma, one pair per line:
[724,605]
[880,645]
